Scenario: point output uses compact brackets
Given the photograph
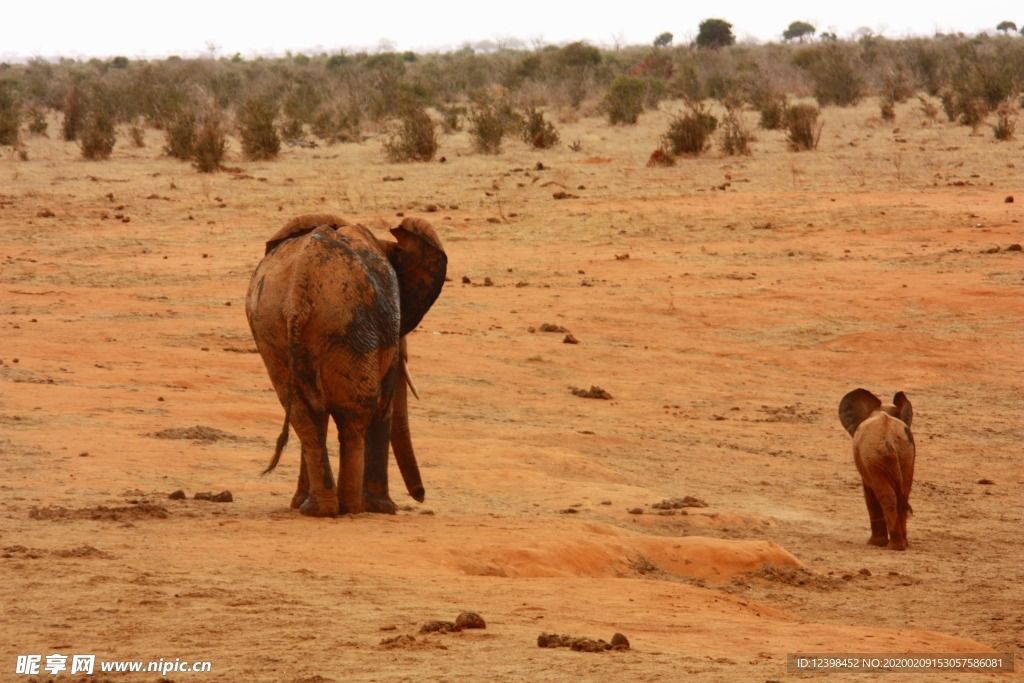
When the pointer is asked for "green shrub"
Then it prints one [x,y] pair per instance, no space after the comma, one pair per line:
[414,138]
[74,111]
[536,131]
[803,129]
[335,123]
[37,123]
[624,100]
[256,117]
[489,122]
[690,133]
[1006,122]
[210,144]
[832,70]
[97,136]
[451,118]
[735,138]
[292,129]
[773,113]
[180,134]
[137,132]
[10,114]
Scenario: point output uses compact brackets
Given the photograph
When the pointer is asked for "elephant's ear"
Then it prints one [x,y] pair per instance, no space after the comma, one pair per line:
[902,404]
[421,265]
[300,225]
[856,407]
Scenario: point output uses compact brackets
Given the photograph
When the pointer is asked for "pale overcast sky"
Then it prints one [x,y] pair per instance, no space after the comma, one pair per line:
[106,28]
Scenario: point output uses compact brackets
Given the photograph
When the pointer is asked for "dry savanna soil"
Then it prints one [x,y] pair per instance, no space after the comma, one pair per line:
[677,475]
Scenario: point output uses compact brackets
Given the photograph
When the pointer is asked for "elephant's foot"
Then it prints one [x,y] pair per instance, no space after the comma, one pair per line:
[376,503]
[879,540]
[897,544]
[299,498]
[320,507]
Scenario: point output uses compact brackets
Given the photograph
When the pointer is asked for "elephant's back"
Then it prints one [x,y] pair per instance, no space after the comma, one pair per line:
[334,285]
[883,437]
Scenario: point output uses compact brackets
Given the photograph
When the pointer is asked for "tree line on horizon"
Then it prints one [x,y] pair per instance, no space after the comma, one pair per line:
[341,97]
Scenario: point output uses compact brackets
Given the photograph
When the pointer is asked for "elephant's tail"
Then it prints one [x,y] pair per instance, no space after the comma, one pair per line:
[282,438]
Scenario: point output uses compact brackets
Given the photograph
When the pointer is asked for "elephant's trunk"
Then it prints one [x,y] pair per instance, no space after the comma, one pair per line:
[401,437]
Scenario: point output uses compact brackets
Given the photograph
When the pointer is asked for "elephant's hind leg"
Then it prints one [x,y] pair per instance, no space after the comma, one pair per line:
[315,472]
[376,497]
[886,495]
[351,435]
[879,531]
[302,489]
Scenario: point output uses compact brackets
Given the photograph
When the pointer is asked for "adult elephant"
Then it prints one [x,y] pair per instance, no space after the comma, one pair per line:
[329,307]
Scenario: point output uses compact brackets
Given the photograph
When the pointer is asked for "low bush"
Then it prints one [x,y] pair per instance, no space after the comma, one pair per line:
[180,135]
[735,138]
[537,131]
[210,145]
[413,136]
[489,122]
[690,132]
[1006,122]
[10,114]
[772,108]
[256,129]
[97,136]
[802,127]
[624,100]
[335,123]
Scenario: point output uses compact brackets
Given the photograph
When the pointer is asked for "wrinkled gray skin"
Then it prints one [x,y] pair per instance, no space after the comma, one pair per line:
[329,307]
[884,452]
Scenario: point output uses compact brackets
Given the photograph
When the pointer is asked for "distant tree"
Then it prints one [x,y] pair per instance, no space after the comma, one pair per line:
[798,30]
[829,37]
[1006,26]
[663,40]
[715,33]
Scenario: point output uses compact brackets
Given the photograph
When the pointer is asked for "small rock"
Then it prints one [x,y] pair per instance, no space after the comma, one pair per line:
[469,620]
[177,495]
[635,511]
[1009,199]
[986,482]
[439,627]
[1015,247]
[549,327]
[592,392]
[589,645]
[620,642]
[222,497]
[570,339]
[488,282]
[865,572]
[466,280]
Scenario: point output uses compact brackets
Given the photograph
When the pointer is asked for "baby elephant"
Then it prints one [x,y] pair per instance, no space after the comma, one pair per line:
[883,449]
